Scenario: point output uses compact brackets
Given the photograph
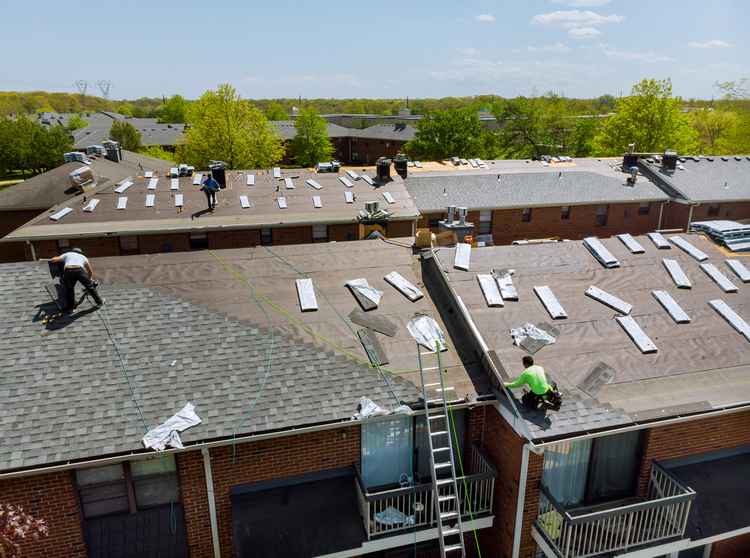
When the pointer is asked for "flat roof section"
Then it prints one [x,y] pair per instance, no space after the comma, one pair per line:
[519,184]
[264,210]
[701,365]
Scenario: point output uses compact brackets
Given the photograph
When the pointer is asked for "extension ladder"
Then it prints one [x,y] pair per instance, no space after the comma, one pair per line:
[445,496]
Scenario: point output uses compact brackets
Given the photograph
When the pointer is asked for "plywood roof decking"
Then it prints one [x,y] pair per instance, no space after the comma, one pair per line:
[163,217]
[705,360]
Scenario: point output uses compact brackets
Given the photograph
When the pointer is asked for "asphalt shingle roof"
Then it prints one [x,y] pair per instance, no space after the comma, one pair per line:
[527,189]
[64,395]
[706,181]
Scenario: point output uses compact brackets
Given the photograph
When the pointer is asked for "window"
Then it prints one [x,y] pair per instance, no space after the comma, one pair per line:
[320,233]
[485,222]
[386,450]
[128,244]
[63,244]
[128,487]
[266,238]
[565,212]
[526,215]
[644,208]
[713,210]
[198,241]
[587,472]
[602,212]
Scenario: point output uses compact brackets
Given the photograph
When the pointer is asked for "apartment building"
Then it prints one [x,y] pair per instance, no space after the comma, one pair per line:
[702,187]
[647,455]
[26,200]
[513,200]
[278,466]
[149,212]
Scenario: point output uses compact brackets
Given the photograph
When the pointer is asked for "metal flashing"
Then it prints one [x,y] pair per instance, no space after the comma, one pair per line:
[634,331]
[609,300]
[550,302]
[670,305]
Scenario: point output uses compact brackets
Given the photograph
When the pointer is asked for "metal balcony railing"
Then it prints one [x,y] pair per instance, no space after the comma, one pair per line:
[386,512]
[581,533]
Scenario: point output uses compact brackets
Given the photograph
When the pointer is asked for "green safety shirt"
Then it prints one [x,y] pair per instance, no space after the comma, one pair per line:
[534,377]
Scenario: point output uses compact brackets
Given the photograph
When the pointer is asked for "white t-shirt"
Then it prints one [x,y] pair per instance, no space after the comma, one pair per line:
[74,259]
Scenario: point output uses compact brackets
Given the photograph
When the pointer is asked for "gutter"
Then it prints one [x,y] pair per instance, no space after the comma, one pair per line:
[211,502]
[145,454]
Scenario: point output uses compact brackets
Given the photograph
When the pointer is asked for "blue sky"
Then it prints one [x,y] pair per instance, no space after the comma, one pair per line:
[333,48]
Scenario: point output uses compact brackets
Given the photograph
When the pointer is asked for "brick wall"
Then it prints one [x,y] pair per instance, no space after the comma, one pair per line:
[676,214]
[291,235]
[51,497]
[155,243]
[341,233]
[691,438]
[233,239]
[397,229]
[732,548]
[255,462]
[505,449]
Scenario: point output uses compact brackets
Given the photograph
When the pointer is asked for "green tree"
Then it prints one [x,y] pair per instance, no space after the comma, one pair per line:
[311,144]
[651,118]
[712,126]
[174,110]
[530,127]
[275,111]
[75,122]
[126,135]
[450,133]
[158,152]
[225,127]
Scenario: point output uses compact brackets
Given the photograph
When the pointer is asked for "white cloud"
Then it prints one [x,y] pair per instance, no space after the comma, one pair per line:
[556,48]
[637,56]
[485,18]
[714,43]
[469,52]
[582,3]
[583,32]
[575,18]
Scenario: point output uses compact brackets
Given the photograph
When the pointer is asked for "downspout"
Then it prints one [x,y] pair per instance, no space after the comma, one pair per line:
[521,500]
[33,251]
[690,218]
[211,502]
[661,214]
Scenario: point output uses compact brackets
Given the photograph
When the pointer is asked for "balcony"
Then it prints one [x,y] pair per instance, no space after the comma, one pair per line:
[393,512]
[582,532]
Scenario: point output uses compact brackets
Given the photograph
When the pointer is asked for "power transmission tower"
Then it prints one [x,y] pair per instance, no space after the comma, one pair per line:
[104,86]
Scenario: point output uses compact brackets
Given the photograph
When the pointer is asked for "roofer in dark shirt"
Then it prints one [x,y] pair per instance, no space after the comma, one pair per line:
[76,269]
[210,187]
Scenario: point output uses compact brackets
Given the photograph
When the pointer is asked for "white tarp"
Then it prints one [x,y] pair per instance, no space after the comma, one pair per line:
[363,287]
[368,408]
[167,433]
[427,332]
[530,330]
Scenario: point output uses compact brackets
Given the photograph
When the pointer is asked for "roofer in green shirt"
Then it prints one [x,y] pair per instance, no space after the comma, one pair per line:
[534,377]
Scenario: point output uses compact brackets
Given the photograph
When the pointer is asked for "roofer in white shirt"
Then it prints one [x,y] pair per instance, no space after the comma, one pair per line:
[77,269]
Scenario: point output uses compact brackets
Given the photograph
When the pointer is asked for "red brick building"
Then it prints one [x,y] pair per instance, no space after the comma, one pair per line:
[155,213]
[645,457]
